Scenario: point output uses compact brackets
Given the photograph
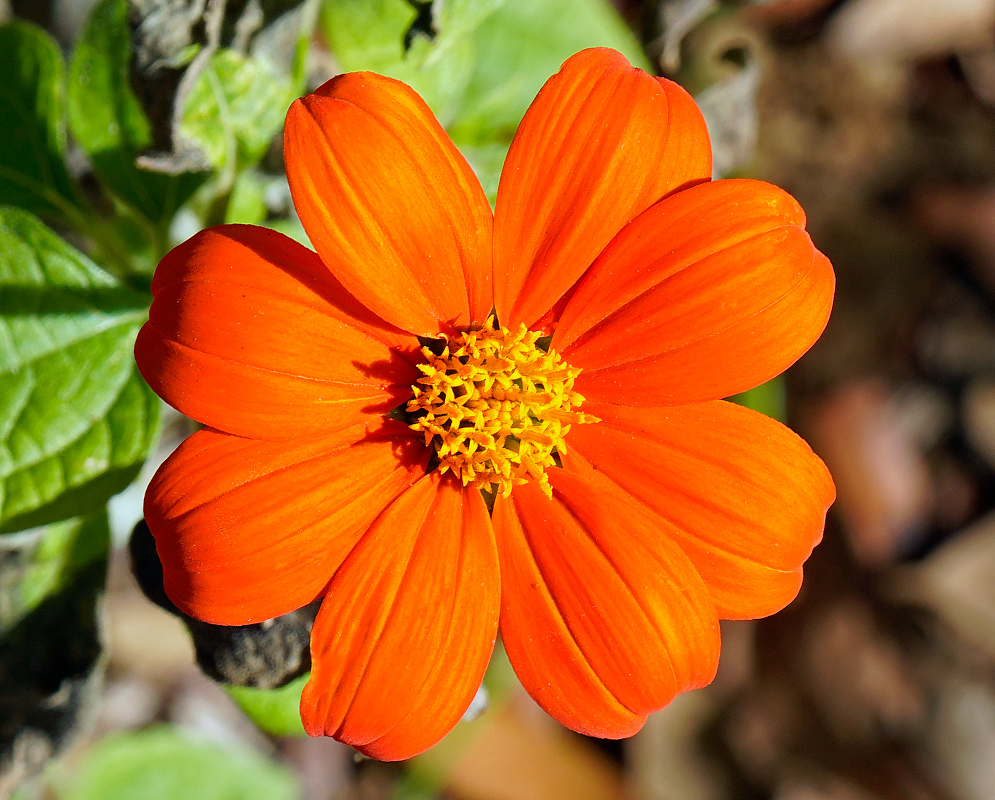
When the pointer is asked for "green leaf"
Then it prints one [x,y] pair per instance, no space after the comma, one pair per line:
[371,36]
[486,63]
[50,666]
[768,398]
[441,82]
[235,108]
[367,34]
[33,173]
[109,123]
[63,550]
[523,43]
[247,201]
[291,228]
[76,418]
[487,160]
[456,19]
[276,711]
[165,763]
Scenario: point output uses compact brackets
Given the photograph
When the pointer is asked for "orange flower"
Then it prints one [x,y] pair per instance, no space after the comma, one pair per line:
[565,358]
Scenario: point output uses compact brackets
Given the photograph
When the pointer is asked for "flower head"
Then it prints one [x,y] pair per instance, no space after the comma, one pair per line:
[445,422]
[496,406]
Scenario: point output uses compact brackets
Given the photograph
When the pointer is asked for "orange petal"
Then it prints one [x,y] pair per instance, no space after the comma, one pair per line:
[249,333]
[248,530]
[745,497]
[407,628]
[603,617]
[713,291]
[389,203]
[601,143]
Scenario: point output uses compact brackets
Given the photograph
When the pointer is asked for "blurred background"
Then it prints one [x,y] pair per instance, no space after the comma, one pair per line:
[128,125]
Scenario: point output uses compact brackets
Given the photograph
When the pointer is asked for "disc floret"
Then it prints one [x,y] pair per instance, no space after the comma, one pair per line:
[496,406]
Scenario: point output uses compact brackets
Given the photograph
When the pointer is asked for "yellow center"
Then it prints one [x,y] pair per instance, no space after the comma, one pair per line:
[496,407]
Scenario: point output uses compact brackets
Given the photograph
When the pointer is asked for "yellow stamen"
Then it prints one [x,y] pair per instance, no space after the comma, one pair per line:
[496,407]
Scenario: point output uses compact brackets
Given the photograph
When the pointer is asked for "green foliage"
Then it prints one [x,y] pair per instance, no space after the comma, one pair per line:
[50,584]
[76,419]
[65,548]
[247,203]
[768,398]
[487,160]
[33,174]
[485,64]
[456,19]
[51,566]
[521,46]
[276,711]
[108,122]
[371,36]
[235,108]
[367,34]
[291,228]
[165,763]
